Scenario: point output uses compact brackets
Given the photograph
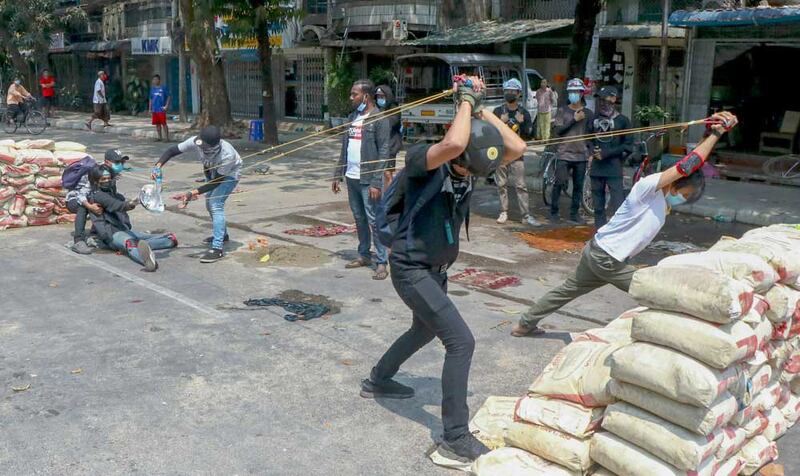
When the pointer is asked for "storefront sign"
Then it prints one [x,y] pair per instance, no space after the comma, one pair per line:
[151,46]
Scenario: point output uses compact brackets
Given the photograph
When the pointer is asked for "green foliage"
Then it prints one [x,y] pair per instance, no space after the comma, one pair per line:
[242,16]
[136,95]
[648,114]
[339,80]
[29,24]
[70,97]
[382,75]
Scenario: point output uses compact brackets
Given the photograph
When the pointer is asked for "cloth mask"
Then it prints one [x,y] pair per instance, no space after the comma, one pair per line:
[381,102]
[209,152]
[674,200]
[510,97]
[118,167]
[574,98]
[606,109]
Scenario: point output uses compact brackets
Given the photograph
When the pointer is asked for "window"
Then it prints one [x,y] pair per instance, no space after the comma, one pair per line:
[316,6]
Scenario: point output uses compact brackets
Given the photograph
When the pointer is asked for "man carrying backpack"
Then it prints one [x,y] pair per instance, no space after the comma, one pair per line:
[76,180]
[436,185]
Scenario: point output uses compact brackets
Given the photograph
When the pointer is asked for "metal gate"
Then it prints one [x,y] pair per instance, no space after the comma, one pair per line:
[243,76]
[305,85]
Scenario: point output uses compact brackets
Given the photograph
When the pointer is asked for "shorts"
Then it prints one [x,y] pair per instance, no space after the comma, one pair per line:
[159,118]
[49,101]
[101,112]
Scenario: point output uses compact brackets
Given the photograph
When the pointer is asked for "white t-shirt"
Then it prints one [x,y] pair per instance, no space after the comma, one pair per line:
[637,221]
[99,86]
[227,162]
[354,147]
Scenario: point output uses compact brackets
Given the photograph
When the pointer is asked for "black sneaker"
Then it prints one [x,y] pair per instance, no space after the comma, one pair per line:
[459,453]
[553,218]
[212,255]
[147,256]
[211,238]
[385,389]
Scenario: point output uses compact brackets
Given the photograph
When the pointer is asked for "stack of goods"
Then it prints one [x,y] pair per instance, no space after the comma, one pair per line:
[699,382]
[706,386]
[30,181]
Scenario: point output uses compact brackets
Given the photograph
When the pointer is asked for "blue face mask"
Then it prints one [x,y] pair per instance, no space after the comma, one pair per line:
[381,102]
[574,97]
[361,107]
[118,167]
[674,200]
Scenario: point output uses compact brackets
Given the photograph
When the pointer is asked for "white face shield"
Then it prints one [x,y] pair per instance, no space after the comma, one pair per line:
[150,198]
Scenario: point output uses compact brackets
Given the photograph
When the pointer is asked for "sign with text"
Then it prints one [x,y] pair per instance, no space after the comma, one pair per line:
[161,45]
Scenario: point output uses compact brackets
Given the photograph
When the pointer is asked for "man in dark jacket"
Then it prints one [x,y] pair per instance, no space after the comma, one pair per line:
[384,99]
[364,157]
[608,153]
[113,225]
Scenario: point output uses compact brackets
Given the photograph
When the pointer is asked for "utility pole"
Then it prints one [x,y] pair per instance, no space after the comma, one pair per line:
[179,39]
[663,77]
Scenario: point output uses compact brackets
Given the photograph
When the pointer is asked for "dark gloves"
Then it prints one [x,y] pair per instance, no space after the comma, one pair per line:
[475,98]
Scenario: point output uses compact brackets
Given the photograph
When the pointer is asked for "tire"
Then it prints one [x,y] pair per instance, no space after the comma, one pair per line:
[8,126]
[587,203]
[782,167]
[36,123]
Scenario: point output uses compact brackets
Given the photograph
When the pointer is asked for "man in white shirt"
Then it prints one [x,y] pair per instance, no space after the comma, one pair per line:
[635,224]
[100,101]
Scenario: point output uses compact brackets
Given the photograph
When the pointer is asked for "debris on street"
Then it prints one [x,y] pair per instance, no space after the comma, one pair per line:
[297,311]
[558,239]
[485,279]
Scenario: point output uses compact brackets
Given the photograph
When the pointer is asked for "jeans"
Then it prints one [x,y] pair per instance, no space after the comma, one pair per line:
[363,209]
[516,172]
[596,268]
[80,219]
[126,241]
[434,315]
[563,171]
[599,185]
[215,204]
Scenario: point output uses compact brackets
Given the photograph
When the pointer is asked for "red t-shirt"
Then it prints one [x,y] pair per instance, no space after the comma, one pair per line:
[47,91]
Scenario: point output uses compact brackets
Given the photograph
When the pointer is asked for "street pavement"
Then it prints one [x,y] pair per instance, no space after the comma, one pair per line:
[166,373]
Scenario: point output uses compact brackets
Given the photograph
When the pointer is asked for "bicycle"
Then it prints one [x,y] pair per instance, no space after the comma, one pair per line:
[549,176]
[29,116]
[783,167]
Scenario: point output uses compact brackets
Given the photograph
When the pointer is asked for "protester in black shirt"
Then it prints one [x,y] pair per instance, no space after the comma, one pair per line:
[426,245]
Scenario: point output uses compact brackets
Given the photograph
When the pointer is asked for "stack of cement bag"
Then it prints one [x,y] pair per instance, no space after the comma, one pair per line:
[548,432]
[699,382]
[30,181]
[706,387]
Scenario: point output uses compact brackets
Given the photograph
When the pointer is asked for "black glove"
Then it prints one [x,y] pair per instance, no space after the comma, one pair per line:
[131,204]
[475,98]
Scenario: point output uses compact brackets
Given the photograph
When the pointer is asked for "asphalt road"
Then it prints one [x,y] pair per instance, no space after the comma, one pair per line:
[163,373]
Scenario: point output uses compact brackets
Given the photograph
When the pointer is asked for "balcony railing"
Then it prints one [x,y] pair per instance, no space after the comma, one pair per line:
[364,15]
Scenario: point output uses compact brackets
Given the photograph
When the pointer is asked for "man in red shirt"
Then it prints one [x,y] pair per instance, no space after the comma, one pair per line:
[48,84]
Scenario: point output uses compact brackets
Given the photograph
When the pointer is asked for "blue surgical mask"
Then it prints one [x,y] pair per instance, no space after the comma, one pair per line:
[381,102]
[674,200]
[118,167]
[574,97]
[361,107]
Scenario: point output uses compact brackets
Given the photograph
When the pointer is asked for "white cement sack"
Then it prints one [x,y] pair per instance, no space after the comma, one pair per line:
[491,421]
[776,254]
[756,425]
[750,269]
[605,335]
[8,156]
[733,439]
[768,398]
[756,453]
[44,144]
[719,346]
[700,420]
[601,471]
[552,445]
[763,331]
[784,303]
[785,239]
[626,459]
[699,292]
[68,156]
[517,462]
[730,467]
[790,409]
[779,351]
[790,369]
[69,146]
[561,415]
[669,442]
[579,373]
[761,378]
[795,386]
[777,425]
[672,374]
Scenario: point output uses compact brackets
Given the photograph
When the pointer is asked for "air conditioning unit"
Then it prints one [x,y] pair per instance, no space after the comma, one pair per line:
[394,30]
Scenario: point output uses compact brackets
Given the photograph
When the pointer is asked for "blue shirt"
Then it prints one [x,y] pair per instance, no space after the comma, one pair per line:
[158,97]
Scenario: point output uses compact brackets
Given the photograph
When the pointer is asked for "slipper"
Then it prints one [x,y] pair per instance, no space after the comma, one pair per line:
[380,273]
[357,263]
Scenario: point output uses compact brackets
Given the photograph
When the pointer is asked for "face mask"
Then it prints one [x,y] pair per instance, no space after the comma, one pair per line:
[674,200]
[17,82]
[361,107]
[210,152]
[606,109]
[381,102]
[118,167]
[510,97]
[574,98]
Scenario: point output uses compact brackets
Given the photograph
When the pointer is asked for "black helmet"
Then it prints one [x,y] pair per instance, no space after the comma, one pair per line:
[209,136]
[484,152]
[607,91]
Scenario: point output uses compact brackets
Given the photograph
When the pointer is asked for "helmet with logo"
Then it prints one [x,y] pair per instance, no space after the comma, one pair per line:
[576,84]
[484,152]
[512,84]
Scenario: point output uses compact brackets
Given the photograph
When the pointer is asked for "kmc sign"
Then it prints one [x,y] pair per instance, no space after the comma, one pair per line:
[151,46]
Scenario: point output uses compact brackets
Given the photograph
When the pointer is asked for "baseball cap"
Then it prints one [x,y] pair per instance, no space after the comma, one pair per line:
[607,91]
[114,155]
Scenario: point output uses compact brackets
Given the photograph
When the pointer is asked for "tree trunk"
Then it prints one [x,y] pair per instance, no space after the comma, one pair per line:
[265,60]
[586,12]
[215,106]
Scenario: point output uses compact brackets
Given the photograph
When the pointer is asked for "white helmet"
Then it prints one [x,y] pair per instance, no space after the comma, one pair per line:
[512,84]
[576,84]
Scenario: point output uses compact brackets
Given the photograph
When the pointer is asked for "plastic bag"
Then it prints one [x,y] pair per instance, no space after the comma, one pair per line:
[150,194]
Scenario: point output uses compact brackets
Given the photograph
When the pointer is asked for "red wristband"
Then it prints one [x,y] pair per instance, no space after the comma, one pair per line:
[690,164]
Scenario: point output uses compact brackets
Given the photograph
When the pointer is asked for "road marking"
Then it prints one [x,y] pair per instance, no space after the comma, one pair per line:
[142,282]
[482,255]
[325,220]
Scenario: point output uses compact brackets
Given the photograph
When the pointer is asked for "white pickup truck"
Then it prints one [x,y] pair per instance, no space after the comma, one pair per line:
[424,74]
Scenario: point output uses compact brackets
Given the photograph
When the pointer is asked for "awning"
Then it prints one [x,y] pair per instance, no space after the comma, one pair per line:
[735,17]
[491,32]
[98,46]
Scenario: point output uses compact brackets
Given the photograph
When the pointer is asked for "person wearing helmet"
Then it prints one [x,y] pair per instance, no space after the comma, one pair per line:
[605,166]
[438,182]
[222,167]
[633,227]
[571,120]
[519,120]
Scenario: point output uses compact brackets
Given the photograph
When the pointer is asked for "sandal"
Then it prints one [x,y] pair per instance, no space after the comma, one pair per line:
[380,273]
[357,263]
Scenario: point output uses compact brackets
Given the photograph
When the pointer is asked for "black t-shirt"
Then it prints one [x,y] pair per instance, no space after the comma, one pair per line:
[435,228]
